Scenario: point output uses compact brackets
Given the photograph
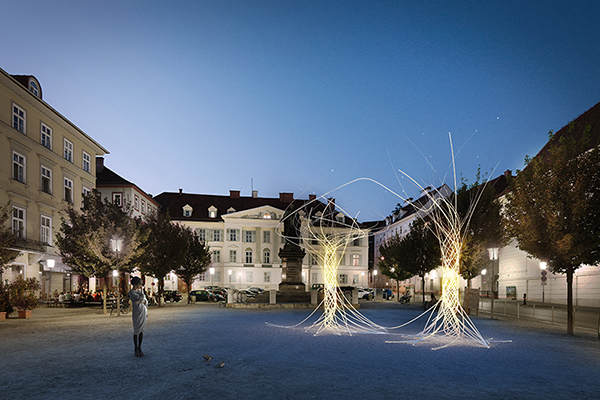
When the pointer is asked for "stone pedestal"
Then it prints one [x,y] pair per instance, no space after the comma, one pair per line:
[291,259]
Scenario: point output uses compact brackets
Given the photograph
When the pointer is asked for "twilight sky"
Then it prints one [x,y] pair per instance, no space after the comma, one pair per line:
[305,96]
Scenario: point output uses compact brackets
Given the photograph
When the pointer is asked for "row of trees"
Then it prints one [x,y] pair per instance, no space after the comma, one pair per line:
[552,212]
[155,246]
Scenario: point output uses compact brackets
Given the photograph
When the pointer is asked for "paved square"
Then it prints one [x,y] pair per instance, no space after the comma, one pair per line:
[78,354]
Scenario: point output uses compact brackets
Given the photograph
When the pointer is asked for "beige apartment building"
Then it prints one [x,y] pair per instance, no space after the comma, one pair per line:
[46,163]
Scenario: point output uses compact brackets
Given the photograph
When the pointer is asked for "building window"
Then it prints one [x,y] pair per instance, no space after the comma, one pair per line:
[46,139]
[212,212]
[136,202]
[355,279]
[68,150]
[266,216]
[68,190]
[86,162]
[216,256]
[201,234]
[144,207]
[33,88]
[266,237]
[267,277]
[343,278]
[312,259]
[232,256]
[117,198]
[46,180]
[357,242]
[18,167]
[313,277]
[249,276]
[18,118]
[217,235]
[18,222]
[267,256]
[249,257]
[46,230]
[232,235]
[355,260]
[86,191]
[249,236]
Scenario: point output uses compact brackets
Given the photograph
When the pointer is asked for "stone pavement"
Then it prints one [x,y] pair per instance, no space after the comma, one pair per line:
[82,353]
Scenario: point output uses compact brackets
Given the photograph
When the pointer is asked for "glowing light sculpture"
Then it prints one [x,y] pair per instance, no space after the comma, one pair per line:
[326,238]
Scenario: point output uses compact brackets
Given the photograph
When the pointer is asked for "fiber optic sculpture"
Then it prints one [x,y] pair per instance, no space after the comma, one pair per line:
[325,235]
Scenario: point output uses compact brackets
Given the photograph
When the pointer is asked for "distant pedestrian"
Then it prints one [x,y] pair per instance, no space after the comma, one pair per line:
[139,314]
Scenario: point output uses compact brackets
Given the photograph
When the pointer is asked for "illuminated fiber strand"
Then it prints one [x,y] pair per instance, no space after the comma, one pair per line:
[326,238]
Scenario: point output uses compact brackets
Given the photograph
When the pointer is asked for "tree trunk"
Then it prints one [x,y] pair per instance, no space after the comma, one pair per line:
[423,286]
[570,313]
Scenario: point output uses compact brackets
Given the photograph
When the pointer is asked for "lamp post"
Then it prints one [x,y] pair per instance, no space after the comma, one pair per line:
[229,273]
[116,245]
[212,273]
[543,266]
[493,252]
[374,283]
[240,275]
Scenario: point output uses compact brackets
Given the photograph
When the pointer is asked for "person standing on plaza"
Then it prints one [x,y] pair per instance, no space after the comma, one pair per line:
[139,314]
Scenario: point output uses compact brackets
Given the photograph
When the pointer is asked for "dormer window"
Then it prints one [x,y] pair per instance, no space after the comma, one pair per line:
[212,212]
[187,210]
[340,217]
[231,210]
[33,88]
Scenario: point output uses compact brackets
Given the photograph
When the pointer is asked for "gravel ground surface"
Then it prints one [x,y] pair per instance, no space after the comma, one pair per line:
[82,353]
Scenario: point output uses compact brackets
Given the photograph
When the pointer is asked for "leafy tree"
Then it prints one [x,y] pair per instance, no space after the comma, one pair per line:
[164,249]
[553,208]
[196,260]
[393,260]
[478,205]
[417,253]
[84,239]
[7,240]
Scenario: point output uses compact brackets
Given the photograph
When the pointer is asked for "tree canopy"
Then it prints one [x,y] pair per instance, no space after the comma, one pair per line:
[196,261]
[553,208]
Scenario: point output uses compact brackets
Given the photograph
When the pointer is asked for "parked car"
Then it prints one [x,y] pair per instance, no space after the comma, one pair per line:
[172,295]
[256,290]
[205,295]
[387,294]
[364,294]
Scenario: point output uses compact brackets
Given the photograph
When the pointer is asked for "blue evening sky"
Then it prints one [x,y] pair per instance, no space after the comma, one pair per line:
[305,96]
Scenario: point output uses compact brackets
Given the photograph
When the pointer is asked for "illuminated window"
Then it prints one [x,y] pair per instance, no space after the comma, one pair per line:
[355,260]
[267,277]
[18,118]
[46,136]
[267,216]
[212,212]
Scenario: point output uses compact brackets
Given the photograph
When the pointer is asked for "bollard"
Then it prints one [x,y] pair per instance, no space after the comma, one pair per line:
[505,309]
[534,312]
[518,310]
[552,315]
[273,297]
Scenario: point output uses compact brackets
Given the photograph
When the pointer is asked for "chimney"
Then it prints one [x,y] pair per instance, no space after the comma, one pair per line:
[286,197]
[312,197]
[255,194]
[99,164]
[180,191]
[507,173]
[234,194]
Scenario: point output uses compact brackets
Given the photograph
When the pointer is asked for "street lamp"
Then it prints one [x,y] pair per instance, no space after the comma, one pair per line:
[117,245]
[543,266]
[493,252]
[240,275]
[229,273]
[212,273]
[374,283]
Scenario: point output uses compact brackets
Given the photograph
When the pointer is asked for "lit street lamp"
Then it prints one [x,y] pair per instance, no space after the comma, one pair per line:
[212,273]
[543,266]
[117,245]
[493,252]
